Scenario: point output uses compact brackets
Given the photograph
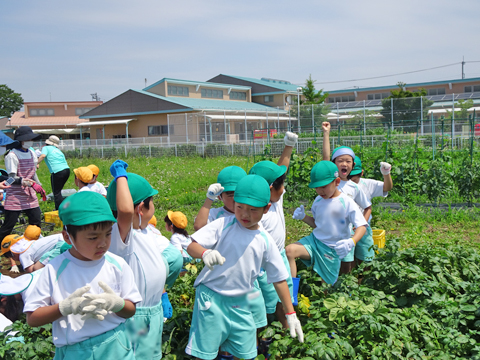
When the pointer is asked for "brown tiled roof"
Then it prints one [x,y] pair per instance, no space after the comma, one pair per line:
[18,119]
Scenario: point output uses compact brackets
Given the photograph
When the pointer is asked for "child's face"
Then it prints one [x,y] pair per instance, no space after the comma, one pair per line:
[90,244]
[228,202]
[345,165]
[249,216]
[146,214]
[328,191]
[168,227]
[275,194]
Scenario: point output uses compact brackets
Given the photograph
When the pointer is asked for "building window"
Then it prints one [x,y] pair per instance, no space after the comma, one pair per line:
[159,130]
[472,88]
[378,96]
[209,93]
[340,99]
[438,91]
[238,95]
[42,112]
[81,111]
[268,98]
[177,90]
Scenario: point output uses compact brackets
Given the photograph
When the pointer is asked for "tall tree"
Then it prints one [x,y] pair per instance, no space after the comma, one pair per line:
[407,107]
[310,95]
[314,114]
[10,101]
[463,105]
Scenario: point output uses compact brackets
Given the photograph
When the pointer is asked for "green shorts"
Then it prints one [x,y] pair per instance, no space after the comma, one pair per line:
[268,290]
[58,249]
[324,260]
[363,250]
[221,321]
[145,329]
[114,344]
[257,306]
[173,260]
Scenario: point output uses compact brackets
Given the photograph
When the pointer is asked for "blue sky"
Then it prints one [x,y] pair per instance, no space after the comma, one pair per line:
[62,50]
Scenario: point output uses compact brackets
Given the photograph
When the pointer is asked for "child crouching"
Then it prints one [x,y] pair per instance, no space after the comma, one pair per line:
[86,280]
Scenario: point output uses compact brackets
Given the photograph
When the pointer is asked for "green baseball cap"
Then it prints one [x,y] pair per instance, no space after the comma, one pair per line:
[268,170]
[85,208]
[230,176]
[357,169]
[342,150]
[140,189]
[323,173]
[252,190]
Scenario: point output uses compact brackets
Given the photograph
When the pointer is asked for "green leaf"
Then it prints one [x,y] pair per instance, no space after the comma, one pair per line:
[329,303]
[468,308]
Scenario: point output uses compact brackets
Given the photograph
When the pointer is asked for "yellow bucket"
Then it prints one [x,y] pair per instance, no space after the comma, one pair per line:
[379,238]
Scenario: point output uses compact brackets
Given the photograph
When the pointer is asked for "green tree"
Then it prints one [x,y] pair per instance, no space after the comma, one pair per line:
[407,107]
[10,101]
[310,95]
[463,105]
[313,106]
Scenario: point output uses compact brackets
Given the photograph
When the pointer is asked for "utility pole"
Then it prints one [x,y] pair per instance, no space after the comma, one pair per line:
[145,82]
[95,97]
[463,65]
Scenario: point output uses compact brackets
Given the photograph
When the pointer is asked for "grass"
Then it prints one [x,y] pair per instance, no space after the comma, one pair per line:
[183,182]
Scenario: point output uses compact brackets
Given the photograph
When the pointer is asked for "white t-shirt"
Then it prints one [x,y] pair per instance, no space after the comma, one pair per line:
[217,213]
[245,252]
[163,242]
[181,242]
[65,274]
[352,190]
[372,188]
[333,217]
[274,222]
[143,253]
[98,188]
[38,248]
[11,161]
[31,287]
[85,188]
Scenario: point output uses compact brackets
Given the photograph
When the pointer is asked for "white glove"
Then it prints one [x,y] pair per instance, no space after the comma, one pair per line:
[27,182]
[295,326]
[108,300]
[214,191]
[299,213]
[75,302]
[343,247]
[385,168]
[93,312]
[15,269]
[212,258]
[290,138]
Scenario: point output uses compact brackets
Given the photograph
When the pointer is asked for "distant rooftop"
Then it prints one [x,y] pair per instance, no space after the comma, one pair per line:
[286,86]
[195,83]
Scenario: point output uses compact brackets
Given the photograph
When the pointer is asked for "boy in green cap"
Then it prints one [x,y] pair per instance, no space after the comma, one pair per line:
[234,249]
[274,221]
[223,189]
[344,158]
[130,197]
[333,212]
[86,280]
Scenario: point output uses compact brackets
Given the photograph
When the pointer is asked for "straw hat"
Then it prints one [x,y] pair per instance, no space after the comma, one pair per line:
[53,140]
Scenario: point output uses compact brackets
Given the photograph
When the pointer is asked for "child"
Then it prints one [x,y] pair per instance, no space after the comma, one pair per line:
[274,220]
[331,239]
[83,176]
[176,222]
[131,197]
[60,295]
[11,293]
[17,247]
[221,316]
[344,158]
[94,185]
[223,189]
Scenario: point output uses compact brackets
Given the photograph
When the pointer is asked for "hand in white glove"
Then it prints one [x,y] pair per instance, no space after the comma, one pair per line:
[385,168]
[295,326]
[299,213]
[212,258]
[343,247]
[27,182]
[93,312]
[108,300]
[75,302]
[214,191]
[15,269]
[290,139]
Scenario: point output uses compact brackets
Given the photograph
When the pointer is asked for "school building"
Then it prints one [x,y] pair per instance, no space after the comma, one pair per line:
[225,108]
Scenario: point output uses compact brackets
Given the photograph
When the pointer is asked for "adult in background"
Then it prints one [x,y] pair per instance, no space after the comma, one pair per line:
[21,164]
[57,165]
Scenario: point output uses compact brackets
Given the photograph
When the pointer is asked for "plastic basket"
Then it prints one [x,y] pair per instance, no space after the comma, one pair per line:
[52,217]
[379,238]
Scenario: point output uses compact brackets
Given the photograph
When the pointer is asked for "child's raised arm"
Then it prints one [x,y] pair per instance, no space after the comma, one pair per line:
[326,140]
[290,140]
[213,192]
[387,178]
[125,208]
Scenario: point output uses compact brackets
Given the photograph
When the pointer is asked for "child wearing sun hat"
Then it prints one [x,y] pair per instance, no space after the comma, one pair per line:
[94,185]
[17,247]
[176,222]
[83,176]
